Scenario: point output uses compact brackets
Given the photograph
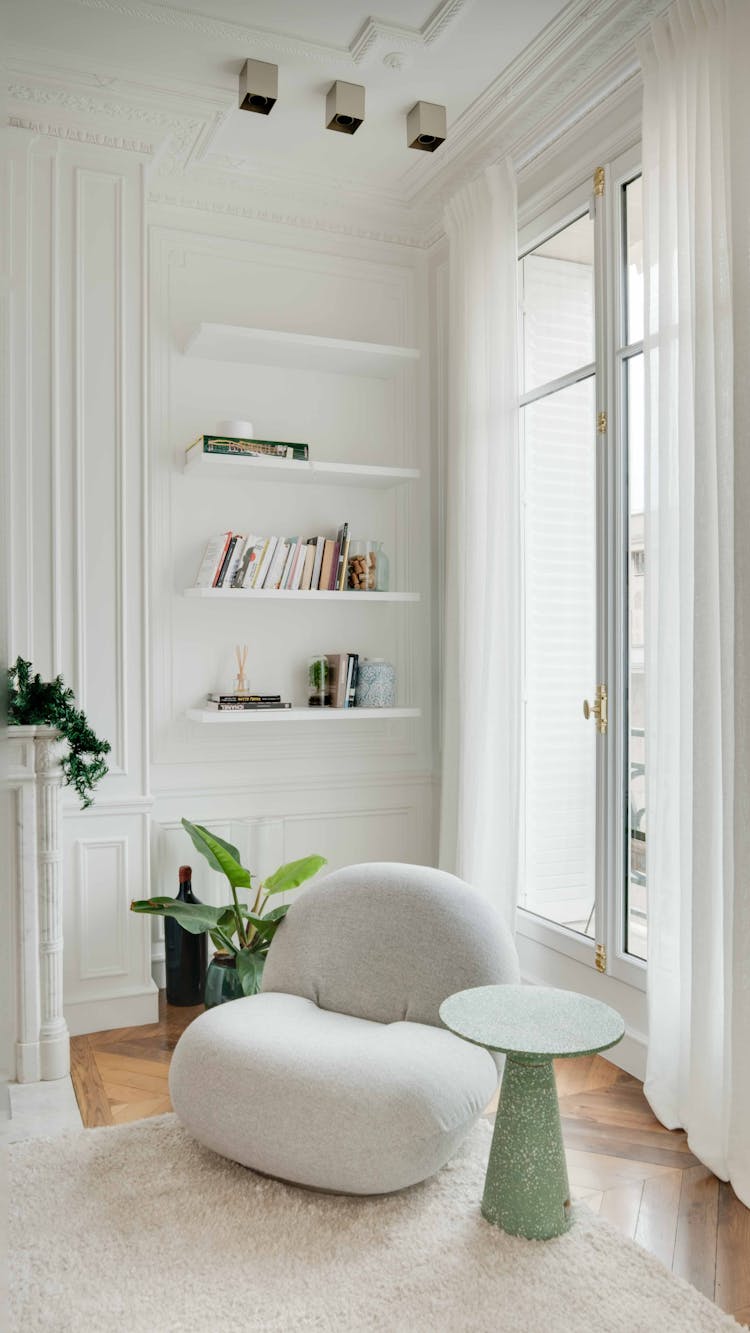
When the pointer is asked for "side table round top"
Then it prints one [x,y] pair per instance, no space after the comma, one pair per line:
[532,1022]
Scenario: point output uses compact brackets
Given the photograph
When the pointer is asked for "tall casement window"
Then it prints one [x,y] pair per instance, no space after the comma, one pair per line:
[583,882]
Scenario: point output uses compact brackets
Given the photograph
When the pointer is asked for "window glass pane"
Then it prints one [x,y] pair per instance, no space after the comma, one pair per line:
[635,907]
[559,450]
[557,286]
[634,260]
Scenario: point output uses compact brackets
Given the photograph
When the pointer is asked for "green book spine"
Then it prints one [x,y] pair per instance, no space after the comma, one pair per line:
[215,444]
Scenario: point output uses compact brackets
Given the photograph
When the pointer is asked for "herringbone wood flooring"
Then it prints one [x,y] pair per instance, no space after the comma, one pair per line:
[621,1161]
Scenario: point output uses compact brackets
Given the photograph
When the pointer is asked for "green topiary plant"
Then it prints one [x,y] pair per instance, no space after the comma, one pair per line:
[33,702]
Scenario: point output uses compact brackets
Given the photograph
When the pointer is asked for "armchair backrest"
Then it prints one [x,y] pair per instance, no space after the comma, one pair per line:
[389,942]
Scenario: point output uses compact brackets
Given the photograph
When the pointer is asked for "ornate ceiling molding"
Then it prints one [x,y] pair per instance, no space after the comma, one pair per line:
[233,207]
[76,135]
[576,64]
[376,36]
[580,58]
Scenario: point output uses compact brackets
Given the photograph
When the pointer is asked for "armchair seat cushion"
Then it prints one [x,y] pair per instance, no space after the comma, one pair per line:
[326,1099]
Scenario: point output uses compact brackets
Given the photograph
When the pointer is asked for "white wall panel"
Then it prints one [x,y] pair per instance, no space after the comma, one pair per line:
[76,506]
[107,959]
[99,431]
[102,878]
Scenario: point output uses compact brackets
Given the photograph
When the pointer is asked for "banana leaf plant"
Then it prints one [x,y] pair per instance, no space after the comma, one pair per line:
[237,930]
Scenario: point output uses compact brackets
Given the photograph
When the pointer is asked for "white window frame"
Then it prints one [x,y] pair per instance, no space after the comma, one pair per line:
[612,610]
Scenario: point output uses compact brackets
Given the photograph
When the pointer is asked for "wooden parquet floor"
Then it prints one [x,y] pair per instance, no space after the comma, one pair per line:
[621,1162]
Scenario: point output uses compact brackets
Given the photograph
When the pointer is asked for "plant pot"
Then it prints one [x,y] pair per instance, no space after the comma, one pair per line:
[222,981]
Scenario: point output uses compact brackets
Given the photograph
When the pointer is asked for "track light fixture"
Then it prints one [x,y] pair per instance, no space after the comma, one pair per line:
[345,107]
[426,126]
[259,86]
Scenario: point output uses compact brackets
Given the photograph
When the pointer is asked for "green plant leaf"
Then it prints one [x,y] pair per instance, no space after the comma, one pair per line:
[293,874]
[266,926]
[32,701]
[277,913]
[250,970]
[221,856]
[193,917]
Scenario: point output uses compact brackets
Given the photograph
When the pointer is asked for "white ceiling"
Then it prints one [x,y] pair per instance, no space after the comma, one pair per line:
[450,53]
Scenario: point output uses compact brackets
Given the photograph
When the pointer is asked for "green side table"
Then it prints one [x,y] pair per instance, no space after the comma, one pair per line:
[526,1190]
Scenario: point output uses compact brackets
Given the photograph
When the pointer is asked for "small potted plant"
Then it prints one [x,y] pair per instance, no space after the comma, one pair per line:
[242,934]
[33,702]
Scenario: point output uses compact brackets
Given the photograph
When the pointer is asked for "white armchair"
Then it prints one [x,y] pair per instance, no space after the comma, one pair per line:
[339,1075]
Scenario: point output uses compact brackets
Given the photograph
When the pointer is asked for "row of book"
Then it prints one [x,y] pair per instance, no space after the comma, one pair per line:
[229,444]
[234,560]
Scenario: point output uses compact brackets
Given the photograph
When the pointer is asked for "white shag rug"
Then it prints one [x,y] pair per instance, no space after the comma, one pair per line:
[137,1229]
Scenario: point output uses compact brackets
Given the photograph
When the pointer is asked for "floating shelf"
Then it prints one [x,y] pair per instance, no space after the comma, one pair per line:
[300,351]
[287,470]
[287,595]
[230,717]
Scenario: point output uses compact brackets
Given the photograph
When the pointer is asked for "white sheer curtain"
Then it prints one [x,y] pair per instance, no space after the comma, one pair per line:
[481,662]
[699,997]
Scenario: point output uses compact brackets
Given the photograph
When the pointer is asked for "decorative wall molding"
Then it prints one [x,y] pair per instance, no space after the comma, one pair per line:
[90,945]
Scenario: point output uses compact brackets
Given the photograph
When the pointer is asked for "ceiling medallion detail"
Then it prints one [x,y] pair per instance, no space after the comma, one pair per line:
[397,60]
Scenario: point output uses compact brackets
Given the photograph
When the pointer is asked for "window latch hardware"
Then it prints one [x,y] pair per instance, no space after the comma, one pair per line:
[598,709]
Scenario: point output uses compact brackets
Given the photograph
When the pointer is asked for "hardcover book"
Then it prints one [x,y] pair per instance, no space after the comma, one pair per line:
[338,664]
[227,444]
[213,558]
[264,563]
[244,698]
[326,568]
[307,571]
[221,574]
[245,707]
[273,578]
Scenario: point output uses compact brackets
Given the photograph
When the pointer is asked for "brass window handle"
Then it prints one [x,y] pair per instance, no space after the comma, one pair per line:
[598,709]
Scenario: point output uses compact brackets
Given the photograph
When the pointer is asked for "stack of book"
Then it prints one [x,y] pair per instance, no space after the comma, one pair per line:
[228,444]
[307,564]
[237,703]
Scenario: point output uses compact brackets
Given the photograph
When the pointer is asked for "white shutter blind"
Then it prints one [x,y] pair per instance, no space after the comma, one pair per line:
[559,444]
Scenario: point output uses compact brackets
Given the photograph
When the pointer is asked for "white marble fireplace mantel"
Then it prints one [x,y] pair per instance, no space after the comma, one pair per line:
[35,777]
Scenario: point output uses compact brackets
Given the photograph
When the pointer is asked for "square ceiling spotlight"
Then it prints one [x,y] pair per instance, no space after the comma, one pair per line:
[426,126]
[259,86]
[345,107]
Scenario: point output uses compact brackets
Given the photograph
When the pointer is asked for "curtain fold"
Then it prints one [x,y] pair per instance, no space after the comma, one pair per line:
[696,994]
[481,653]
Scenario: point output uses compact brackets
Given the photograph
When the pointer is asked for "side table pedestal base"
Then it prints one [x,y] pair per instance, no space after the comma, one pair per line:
[526,1191]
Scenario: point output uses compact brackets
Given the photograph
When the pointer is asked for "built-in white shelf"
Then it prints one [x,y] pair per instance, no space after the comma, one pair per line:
[288,595]
[236,466]
[300,351]
[231,717]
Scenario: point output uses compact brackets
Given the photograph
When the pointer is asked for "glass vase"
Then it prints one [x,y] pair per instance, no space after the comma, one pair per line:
[318,678]
[222,981]
[382,569]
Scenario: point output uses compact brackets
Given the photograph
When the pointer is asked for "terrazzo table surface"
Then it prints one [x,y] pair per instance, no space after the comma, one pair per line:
[526,1191]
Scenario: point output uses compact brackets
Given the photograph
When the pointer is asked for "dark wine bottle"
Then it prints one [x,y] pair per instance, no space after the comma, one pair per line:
[186,954]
